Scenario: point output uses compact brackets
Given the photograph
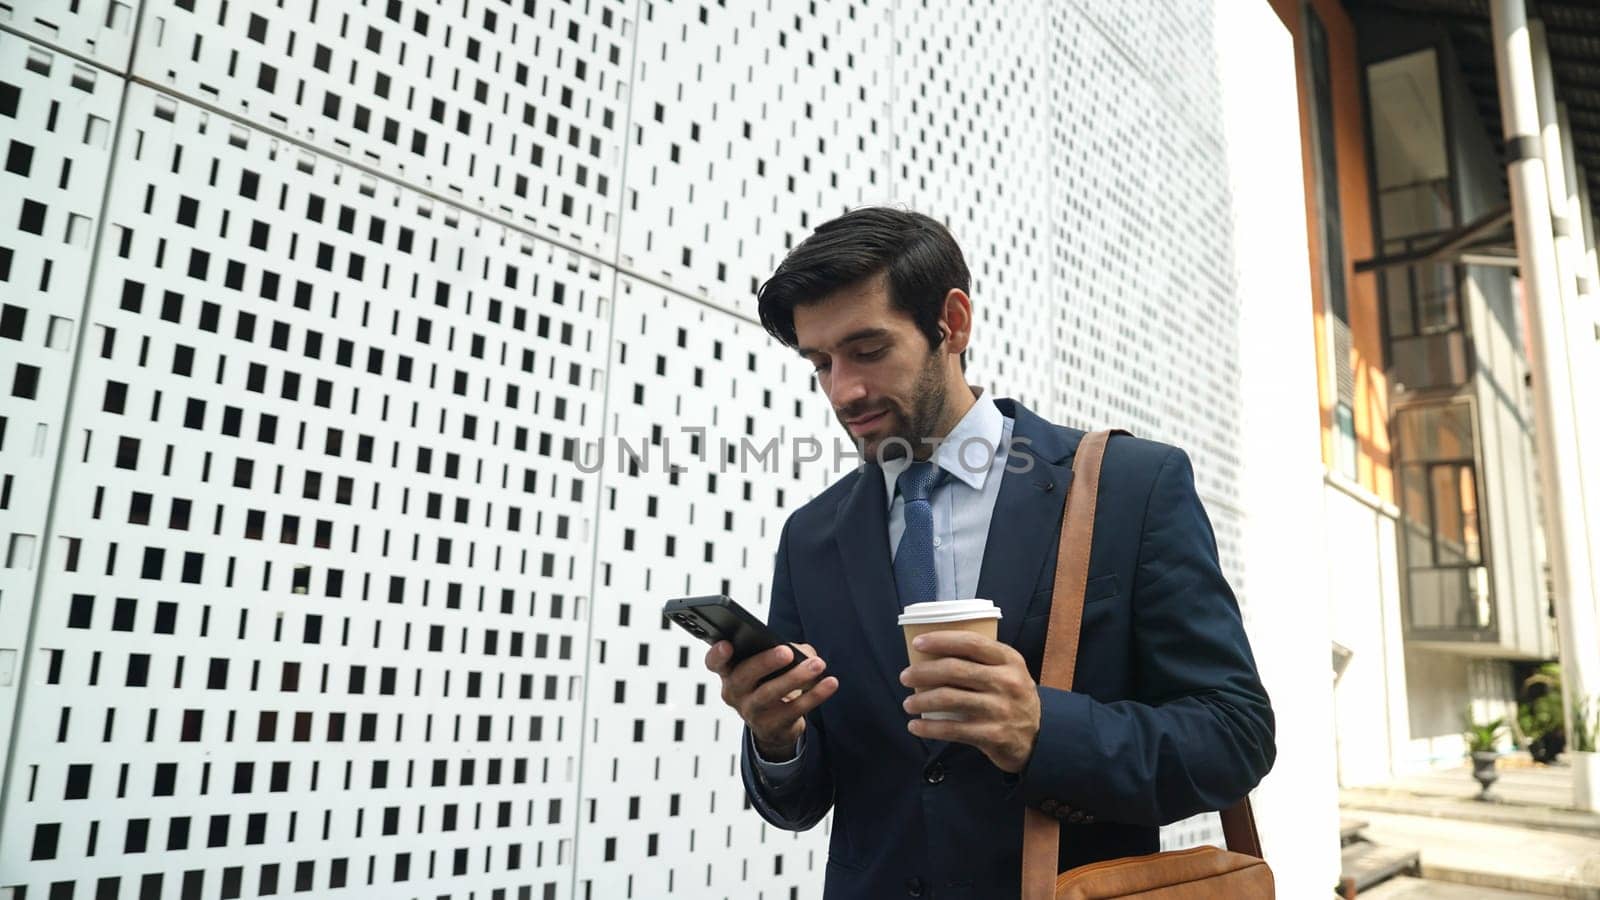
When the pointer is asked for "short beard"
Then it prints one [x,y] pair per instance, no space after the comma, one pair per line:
[927,411]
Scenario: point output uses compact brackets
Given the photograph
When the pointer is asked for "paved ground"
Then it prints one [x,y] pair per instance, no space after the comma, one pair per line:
[1526,795]
[1499,856]
[1529,841]
[1521,782]
[1410,888]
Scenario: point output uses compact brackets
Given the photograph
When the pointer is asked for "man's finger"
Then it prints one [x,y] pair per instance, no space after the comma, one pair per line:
[717,657]
[975,732]
[744,677]
[797,678]
[814,698]
[950,670]
[784,714]
[965,645]
[974,706]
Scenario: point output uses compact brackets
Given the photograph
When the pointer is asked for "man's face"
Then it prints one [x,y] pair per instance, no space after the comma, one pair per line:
[875,366]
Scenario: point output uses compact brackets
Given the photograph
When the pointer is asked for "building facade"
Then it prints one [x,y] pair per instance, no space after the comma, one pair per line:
[1439,589]
[375,371]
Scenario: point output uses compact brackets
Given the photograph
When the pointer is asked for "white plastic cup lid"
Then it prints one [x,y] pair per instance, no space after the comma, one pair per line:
[948,611]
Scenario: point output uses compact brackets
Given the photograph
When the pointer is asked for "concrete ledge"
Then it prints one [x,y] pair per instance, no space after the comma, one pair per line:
[1410,888]
[1492,855]
[1541,818]
[1517,883]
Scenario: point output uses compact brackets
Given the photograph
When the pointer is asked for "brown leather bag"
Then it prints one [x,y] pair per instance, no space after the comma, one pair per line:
[1238,873]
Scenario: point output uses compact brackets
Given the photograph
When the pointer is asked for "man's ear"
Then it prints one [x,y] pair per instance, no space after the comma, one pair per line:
[955,322]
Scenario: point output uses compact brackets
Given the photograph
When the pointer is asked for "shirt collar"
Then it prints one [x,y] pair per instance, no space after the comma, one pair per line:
[983,425]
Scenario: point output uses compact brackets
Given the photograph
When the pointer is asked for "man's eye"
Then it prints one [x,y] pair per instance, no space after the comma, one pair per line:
[874,354]
[820,369]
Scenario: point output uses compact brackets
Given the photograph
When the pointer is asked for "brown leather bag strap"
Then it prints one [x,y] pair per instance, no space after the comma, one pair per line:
[1072,564]
[1239,829]
[1041,834]
[1041,848]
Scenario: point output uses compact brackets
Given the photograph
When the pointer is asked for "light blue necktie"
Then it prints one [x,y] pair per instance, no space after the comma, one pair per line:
[914,576]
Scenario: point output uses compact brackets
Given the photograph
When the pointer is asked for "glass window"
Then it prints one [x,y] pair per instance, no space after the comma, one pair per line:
[1454,491]
[1438,432]
[1324,149]
[1447,579]
[1413,169]
[1436,299]
[1397,283]
[1344,447]
[1425,338]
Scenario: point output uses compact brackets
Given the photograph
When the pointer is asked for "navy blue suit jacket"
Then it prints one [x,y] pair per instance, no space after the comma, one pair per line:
[1167,716]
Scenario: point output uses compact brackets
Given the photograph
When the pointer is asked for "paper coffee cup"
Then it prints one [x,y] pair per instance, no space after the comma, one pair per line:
[977,616]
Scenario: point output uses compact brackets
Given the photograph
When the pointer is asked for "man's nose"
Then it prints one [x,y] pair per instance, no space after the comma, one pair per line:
[846,388]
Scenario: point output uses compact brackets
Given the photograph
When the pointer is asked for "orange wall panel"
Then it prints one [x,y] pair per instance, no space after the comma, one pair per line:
[1371,403]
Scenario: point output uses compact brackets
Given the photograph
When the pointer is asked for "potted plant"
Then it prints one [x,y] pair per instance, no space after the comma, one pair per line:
[1539,717]
[1481,738]
[1585,760]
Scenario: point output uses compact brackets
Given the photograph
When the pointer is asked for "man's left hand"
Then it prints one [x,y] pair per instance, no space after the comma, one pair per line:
[984,681]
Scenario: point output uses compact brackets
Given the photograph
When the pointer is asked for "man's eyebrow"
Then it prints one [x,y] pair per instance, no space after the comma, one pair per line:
[861,334]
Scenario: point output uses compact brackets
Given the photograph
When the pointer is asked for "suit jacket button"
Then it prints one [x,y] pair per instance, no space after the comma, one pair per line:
[934,773]
[914,886]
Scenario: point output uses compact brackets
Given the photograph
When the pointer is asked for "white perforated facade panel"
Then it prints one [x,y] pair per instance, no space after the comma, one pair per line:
[98,30]
[57,149]
[511,108]
[341,582]
[1143,254]
[972,148]
[694,493]
[328,545]
[751,124]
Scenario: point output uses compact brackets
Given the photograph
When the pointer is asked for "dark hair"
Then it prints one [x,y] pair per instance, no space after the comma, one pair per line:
[920,258]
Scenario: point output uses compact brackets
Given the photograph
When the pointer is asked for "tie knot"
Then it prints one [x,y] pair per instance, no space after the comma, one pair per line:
[918,481]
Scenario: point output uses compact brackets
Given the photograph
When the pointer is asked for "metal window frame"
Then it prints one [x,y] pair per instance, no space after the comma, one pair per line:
[1326,166]
[1433,524]
[1452,169]
[1490,632]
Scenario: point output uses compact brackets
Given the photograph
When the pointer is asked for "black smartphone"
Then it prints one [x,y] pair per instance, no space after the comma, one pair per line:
[718,618]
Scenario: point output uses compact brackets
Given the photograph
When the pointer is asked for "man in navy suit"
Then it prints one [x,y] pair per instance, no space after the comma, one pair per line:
[960,495]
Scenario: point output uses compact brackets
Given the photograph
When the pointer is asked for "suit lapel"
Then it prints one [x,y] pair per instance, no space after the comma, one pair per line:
[861,529]
[1022,537]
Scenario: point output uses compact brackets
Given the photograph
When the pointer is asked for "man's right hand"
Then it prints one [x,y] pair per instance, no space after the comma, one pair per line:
[774,711]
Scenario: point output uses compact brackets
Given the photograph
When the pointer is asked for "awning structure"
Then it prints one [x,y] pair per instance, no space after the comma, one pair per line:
[1572,30]
[1486,241]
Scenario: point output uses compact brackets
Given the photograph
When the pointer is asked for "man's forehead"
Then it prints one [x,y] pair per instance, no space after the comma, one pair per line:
[857,313]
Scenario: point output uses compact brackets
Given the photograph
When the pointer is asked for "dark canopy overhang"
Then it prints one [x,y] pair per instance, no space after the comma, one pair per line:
[1572,29]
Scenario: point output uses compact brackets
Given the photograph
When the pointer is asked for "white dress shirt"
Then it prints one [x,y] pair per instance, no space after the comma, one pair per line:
[974,456]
